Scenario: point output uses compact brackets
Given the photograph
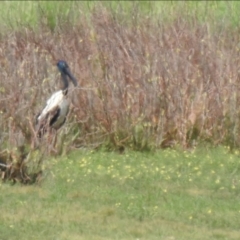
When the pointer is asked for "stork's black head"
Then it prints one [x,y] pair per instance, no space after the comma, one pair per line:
[65,71]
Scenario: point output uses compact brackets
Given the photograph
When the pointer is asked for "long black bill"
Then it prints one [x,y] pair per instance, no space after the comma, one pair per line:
[73,79]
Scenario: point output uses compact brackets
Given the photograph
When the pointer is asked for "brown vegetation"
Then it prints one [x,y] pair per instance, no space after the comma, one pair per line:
[143,84]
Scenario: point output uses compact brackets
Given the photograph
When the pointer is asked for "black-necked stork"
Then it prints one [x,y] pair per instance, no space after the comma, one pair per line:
[55,112]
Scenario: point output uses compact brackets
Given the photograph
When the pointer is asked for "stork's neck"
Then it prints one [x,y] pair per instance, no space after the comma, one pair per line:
[65,83]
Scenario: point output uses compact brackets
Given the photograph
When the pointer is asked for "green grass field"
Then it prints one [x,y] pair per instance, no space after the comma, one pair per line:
[17,14]
[168,194]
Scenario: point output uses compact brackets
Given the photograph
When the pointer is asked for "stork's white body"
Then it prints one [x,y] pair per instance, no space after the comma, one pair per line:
[54,113]
[57,101]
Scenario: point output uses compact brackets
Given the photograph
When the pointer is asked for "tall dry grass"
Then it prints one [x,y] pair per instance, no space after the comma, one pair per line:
[143,84]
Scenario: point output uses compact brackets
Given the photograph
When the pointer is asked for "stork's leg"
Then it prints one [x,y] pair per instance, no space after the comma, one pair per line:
[3,175]
[49,140]
[52,139]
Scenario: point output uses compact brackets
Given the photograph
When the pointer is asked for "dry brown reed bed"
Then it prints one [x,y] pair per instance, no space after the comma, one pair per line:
[143,84]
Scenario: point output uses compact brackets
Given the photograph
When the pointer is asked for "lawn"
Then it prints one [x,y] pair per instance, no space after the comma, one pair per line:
[168,194]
